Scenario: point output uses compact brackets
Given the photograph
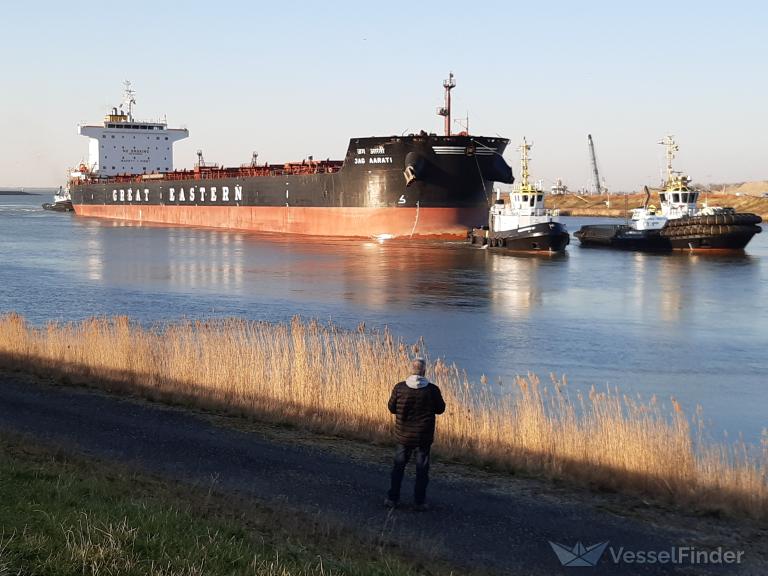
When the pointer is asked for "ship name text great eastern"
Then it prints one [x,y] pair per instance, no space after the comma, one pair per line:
[202,194]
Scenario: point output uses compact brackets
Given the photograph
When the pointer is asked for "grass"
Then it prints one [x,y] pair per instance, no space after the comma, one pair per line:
[64,515]
[322,378]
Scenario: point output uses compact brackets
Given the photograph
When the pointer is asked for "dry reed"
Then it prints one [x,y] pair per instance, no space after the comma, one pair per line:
[333,380]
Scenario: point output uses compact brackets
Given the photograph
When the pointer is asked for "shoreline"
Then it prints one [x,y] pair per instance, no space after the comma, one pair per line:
[595,205]
[610,443]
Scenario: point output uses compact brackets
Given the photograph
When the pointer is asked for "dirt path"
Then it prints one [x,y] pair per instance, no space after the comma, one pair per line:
[474,522]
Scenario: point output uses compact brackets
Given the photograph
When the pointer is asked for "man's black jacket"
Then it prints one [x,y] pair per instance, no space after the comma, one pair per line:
[415,409]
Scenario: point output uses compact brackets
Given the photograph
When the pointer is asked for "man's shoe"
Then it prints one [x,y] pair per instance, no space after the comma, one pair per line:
[423,507]
[390,503]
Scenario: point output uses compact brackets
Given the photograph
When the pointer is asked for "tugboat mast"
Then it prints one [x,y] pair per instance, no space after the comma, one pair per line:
[445,111]
[671,146]
[525,185]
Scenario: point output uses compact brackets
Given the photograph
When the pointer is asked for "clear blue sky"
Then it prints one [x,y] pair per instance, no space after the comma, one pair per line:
[290,79]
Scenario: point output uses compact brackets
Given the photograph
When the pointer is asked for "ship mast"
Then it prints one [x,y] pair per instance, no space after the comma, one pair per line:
[128,99]
[671,146]
[525,185]
[445,111]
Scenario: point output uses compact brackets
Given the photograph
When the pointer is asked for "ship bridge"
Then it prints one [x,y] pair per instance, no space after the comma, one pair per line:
[122,145]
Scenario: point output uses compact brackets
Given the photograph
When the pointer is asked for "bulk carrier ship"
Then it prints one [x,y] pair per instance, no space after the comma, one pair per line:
[419,185]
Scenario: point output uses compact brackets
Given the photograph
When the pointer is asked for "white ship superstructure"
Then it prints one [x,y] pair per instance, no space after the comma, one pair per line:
[123,145]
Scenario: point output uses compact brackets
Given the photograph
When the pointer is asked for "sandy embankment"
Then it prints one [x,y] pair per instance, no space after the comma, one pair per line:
[576,205]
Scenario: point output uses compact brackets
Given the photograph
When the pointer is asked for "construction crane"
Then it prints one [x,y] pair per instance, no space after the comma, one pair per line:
[595,173]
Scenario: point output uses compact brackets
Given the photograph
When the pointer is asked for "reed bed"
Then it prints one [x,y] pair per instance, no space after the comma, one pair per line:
[324,378]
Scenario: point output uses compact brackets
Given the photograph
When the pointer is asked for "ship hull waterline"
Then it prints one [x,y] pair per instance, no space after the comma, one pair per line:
[363,222]
[543,237]
[622,238]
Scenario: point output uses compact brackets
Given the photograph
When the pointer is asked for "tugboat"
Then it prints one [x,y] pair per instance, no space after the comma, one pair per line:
[62,202]
[678,224]
[522,223]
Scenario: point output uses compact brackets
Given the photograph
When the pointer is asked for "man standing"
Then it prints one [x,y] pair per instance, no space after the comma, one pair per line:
[415,403]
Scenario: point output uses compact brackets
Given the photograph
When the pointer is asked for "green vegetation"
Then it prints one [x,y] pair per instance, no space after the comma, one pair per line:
[64,515]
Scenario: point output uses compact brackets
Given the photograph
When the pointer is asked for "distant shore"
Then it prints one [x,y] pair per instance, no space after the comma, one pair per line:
[619,205]
[14,193]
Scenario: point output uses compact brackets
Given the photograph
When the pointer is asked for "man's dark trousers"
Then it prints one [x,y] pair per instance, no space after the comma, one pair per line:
[402,456]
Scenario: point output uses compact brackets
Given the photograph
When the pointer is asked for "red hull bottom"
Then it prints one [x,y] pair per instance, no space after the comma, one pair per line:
[353,222]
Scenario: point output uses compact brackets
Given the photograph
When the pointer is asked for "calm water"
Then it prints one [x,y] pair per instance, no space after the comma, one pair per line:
[692,326]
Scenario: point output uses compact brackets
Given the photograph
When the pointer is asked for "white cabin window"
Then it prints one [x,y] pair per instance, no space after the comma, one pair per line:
[663,196]
[675,197]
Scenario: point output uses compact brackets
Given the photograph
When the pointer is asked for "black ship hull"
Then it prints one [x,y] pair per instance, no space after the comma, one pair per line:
[695,233]
[65,206]
[543,237]
[420,185]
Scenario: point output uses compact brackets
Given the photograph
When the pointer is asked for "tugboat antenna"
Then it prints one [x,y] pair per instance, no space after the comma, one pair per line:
[445,111]
[672,147]
[524,148]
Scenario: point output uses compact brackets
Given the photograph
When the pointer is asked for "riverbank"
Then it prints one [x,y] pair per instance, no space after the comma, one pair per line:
[311,375]
[62,513]
[620,204]
[271,487]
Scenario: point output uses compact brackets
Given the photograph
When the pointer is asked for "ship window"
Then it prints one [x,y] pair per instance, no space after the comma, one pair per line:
[663,196]
[166,137]
[540,197]
[525,197]
[113,135]
[675,197]
[684,197]
[694,196]
[103,135]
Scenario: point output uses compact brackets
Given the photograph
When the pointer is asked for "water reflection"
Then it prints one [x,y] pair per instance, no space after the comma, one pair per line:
[670,288]
[419,275]
[182,258]
[518,281]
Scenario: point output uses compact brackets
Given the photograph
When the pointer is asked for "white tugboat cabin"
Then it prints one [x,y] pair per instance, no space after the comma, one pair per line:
[522,222]
[526,202]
